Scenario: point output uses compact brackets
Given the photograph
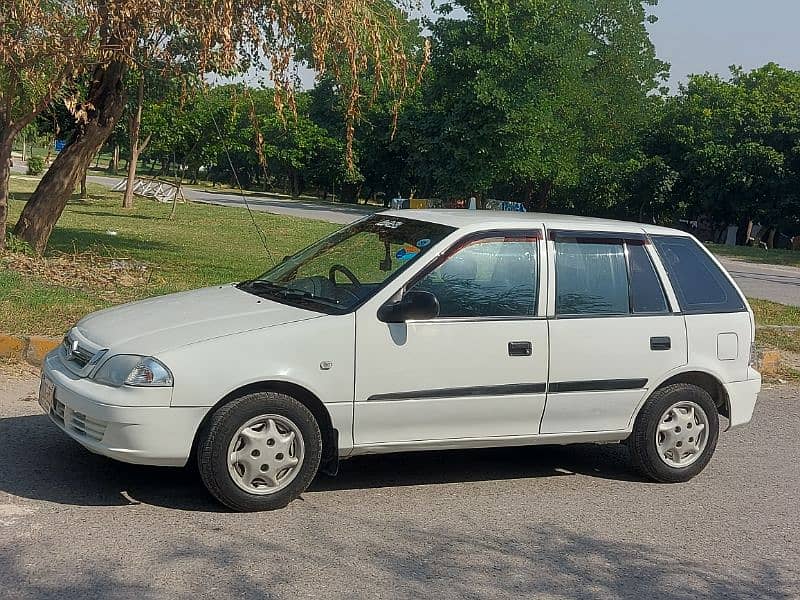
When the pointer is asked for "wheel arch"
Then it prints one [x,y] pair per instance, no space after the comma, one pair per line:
[330,436]
[702,379]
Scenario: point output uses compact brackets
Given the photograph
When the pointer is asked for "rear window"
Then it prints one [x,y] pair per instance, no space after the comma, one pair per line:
[699,283]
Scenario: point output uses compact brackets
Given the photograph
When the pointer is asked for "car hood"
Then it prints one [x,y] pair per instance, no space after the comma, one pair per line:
[167,322]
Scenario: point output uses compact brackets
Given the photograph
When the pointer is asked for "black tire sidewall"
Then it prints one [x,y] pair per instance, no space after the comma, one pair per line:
[644,437]
[212,453]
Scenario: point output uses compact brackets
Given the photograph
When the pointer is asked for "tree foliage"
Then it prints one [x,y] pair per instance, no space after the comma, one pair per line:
[225,36]
[736,145]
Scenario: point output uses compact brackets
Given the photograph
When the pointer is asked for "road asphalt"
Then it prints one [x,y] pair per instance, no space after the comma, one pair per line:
[767,282]
[279,205]
[544,522]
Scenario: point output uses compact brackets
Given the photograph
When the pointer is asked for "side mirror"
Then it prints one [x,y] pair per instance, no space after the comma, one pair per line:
[414,305]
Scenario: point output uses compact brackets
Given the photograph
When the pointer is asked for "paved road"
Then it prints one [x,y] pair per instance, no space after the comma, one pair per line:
[323,211]
[768,282]
[538,522]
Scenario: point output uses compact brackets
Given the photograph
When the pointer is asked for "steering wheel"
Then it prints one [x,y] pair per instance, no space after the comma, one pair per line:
[347,273]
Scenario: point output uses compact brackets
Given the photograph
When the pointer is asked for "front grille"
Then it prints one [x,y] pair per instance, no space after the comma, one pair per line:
[79,423]
[87,426]
[58,410]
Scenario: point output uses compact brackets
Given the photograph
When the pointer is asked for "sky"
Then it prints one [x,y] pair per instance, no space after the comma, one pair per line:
[696,36]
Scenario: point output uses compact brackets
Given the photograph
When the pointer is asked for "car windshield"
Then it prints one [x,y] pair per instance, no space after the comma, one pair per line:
[341,271]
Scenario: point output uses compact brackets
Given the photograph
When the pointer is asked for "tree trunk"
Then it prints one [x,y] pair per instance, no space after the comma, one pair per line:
[114,165]
[294,181]
[135,125]
[105,102]
[544,193]
[5,173]
[84,195]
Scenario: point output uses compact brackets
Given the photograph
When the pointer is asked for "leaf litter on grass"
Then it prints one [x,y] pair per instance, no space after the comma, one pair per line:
[114,277]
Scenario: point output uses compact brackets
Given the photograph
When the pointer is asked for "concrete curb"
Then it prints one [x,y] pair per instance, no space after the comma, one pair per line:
[769,362]
[31,349]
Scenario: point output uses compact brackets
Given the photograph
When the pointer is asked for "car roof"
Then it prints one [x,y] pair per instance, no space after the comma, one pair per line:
[496,219]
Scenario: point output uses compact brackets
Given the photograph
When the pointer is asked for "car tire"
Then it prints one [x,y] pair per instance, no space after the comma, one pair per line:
[259,452]
[660,445]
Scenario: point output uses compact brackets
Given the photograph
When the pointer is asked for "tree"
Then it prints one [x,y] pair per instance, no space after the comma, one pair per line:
[525,100]
[736,146]
[224,36]
[40,44]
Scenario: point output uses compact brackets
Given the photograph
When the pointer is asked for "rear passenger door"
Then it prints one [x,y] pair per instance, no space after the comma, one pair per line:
[612,332]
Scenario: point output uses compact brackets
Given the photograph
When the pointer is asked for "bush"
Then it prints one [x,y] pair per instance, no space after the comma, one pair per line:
[35,165]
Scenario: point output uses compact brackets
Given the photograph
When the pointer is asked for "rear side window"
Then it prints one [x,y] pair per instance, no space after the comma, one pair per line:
[596,276]
[591,278]
[647,295]
[699,283]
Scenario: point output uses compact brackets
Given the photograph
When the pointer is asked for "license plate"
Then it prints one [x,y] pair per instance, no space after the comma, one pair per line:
[46,392]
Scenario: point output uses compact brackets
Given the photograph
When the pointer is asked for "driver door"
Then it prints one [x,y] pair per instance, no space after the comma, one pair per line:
[479,369]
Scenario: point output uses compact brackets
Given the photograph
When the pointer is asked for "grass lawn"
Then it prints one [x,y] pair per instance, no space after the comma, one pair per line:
[757,255]
[203,245]
[771,313]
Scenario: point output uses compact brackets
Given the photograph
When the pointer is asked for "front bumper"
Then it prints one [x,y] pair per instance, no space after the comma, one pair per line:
[742,396]
[134,425]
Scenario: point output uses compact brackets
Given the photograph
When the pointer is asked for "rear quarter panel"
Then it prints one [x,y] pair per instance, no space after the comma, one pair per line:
[720,343]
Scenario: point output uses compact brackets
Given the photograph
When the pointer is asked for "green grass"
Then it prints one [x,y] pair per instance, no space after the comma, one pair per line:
[757,255]
[772,313]
[203,245]
[768,315]
[778,339]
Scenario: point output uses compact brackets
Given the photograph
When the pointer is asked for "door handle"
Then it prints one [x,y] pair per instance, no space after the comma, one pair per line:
[660,343]
[520,348]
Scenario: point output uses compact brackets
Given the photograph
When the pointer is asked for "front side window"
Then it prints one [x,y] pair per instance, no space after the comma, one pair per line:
[698,282]
[487,277]
[606,277]
[349,266]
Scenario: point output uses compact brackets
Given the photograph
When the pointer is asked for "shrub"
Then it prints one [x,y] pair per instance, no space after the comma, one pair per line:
[35,165]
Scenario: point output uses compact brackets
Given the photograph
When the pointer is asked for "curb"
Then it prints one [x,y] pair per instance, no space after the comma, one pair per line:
[769,362]
[31,349]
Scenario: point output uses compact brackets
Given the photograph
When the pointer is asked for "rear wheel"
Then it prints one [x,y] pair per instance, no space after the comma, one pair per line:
[259,452]
[675,434]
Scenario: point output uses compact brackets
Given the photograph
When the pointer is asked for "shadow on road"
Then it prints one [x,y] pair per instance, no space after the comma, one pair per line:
[40,462]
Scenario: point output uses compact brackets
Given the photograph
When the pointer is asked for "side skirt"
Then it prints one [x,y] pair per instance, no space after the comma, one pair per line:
[494,442]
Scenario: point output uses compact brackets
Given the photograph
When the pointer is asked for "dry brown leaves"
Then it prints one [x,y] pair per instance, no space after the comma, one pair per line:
[113,278]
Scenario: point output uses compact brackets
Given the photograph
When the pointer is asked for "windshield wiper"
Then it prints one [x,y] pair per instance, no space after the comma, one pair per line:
[272,289]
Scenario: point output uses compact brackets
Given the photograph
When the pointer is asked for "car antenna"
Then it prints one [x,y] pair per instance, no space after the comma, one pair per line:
[224,143]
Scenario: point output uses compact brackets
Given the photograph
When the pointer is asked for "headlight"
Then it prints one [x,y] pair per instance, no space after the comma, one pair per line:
[131,369]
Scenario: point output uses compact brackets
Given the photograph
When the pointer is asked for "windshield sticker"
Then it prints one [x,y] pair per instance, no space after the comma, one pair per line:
[423,243]
[389,224]
[407,252]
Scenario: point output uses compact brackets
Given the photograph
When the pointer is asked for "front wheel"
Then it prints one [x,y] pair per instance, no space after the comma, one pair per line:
[675,434]
[259,452]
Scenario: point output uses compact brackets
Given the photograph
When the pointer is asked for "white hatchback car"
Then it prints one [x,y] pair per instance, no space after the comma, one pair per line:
[419,330]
